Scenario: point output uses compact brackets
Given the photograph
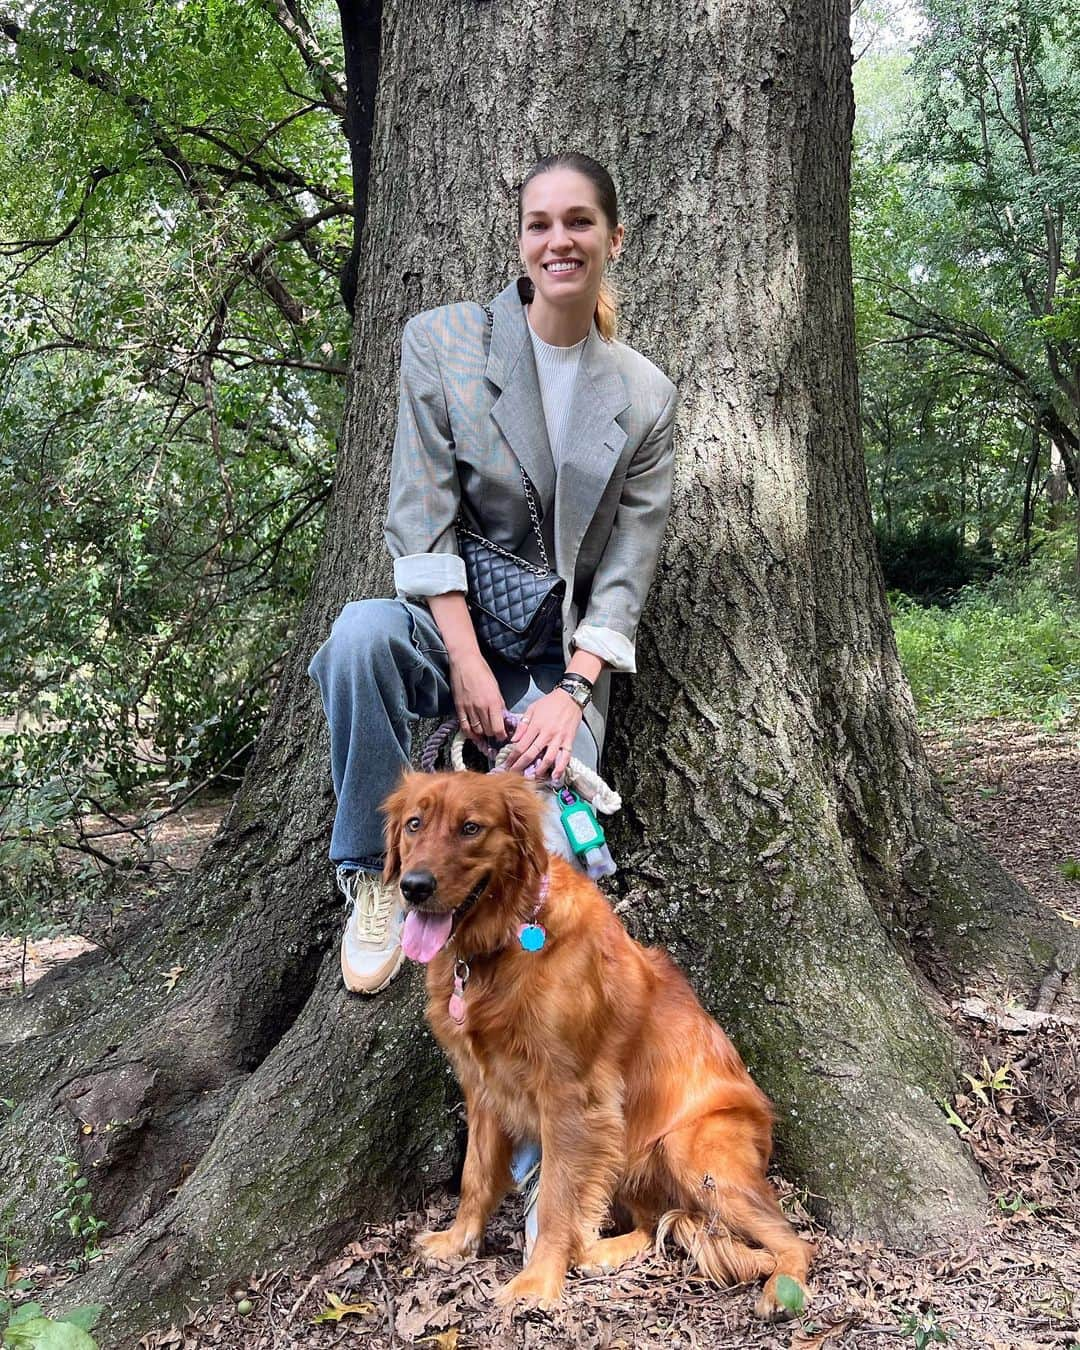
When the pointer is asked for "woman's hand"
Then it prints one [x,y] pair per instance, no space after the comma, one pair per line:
[545,735]
[478,700]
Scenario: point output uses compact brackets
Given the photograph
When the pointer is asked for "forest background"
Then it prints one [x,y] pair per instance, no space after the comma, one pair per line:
[177,210]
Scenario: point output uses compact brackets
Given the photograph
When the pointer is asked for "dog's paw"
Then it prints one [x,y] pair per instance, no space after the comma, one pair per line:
[540,1289]
[769,1308]
[450,1245]
[605,1255]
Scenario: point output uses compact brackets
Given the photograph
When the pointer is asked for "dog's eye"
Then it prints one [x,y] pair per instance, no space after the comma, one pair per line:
[470,827]
[413,824]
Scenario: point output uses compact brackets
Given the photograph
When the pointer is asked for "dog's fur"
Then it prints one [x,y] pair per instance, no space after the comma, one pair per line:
[595,1046]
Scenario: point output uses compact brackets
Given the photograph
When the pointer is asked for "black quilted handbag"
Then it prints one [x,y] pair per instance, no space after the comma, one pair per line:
[515,604]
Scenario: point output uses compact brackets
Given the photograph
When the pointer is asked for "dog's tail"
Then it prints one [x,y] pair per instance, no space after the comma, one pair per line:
[711,1245]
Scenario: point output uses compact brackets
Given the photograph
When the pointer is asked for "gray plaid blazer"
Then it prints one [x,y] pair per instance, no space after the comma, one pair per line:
[470,417]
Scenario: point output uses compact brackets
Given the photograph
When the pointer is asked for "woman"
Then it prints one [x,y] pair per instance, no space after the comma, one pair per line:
[534,382]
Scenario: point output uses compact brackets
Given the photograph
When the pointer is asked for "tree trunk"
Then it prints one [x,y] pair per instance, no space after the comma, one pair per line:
[1029,488]
[361,22]
[784,836]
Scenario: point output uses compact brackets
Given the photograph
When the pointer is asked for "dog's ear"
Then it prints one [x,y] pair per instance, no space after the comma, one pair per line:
[393,809]
[524,820]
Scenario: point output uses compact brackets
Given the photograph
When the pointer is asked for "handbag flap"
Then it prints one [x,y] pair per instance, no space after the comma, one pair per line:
[506,591]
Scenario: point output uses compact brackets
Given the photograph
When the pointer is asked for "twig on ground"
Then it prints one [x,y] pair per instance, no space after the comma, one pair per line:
[307,1290]
[389,1300]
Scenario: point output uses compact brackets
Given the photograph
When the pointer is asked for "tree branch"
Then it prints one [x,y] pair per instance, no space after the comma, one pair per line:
[143,111]
[9,248]
[289,17]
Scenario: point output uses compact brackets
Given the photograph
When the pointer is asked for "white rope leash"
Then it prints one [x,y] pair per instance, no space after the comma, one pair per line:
[585,782]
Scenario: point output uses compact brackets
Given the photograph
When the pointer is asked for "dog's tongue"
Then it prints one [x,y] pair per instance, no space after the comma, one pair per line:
[425,935]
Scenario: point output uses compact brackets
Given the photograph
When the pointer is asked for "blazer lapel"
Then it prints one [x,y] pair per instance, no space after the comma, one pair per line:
[592,446]
[518,412]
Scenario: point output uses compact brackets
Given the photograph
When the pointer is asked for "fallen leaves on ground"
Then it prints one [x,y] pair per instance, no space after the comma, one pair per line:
[337,1308]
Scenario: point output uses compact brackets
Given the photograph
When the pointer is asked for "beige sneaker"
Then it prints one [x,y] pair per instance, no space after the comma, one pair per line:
[371,952]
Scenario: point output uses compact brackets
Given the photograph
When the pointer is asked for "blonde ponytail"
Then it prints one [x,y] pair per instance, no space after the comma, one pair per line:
[607,311]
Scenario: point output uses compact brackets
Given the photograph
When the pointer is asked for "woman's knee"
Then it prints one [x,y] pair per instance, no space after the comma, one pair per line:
[365,632]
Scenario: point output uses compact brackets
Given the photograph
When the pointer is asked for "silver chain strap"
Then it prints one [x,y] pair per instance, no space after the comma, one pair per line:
[536,570]
[534,514]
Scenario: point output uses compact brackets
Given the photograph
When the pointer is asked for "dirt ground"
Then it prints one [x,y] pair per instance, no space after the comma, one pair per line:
[1015,1288]
[1019,789]
[172,845]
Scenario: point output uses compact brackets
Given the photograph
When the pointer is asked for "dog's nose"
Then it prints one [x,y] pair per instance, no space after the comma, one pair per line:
[417,886]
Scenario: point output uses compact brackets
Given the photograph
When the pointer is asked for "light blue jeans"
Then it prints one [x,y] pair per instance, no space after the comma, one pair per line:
[383,667]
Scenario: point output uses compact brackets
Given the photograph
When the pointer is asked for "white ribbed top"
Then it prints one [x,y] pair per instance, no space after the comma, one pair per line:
[556,369]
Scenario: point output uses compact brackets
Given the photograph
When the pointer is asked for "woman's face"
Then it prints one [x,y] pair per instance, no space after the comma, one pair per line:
[565,238]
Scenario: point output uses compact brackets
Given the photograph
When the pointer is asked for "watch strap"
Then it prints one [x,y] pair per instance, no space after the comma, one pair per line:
[578,687]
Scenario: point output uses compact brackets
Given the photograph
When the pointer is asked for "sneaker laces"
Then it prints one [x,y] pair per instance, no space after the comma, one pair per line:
[372,904]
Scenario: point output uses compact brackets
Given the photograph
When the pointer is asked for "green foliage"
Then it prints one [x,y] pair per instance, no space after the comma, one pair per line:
[965,235]
[174,213]
[923,1329]
[929,562]
[960,1126]
[1070,869]
[76,1213]
[26,1327]
[1010,648]
[35,888]
[1017,1204]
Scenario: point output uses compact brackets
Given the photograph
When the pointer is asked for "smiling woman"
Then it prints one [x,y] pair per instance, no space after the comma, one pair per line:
[528,423]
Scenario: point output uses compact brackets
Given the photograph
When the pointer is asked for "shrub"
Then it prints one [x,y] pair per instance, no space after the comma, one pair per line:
[930,562]
[1008,648]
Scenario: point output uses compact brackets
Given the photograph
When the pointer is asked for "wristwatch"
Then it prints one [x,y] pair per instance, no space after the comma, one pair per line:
[578,687]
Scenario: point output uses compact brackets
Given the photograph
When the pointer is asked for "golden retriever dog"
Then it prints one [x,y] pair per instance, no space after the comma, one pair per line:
[592,1045]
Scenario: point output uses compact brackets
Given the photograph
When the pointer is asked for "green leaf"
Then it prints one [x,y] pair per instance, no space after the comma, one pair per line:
[85,1317]
[953,1119]
[42,1333]
[24,1313]
[978,1087]
[790,1294]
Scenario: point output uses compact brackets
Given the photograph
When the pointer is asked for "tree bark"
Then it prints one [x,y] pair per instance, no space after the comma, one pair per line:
[1029,488]
[783,833]
[361,22]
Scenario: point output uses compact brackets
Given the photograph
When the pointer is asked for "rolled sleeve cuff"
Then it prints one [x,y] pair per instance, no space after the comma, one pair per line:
[424,574]
[614,648]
